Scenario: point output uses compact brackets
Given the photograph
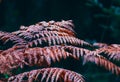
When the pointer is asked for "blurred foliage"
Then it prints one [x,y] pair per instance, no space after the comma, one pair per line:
[95,20]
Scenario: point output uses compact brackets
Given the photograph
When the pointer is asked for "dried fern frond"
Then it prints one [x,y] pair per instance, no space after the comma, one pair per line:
[48,75]
[59,29]
[6,37]
[10,50]
[75,51]
[102,62]
[35,30]
[112,52]
[32,36]
[42,57]
[57,40]
[64,26]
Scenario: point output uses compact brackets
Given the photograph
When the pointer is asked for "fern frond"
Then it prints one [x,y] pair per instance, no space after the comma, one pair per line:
[36,30]
[57,40]
[112,52]
[6,37]
[59,29]
[48,75]
[65,24]
[42,57]
[102,62]
[41,34]
[10,50]
[75,51]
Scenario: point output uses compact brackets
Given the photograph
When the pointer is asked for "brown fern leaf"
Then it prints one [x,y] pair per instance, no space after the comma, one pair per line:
[6,37]
[63,24]
[59,29]
[75,51]
[57,40]
[37,30]
[10,50]
[112,52]
[48,75]
[32,36]
[42,57]
[66,24]
[102,62]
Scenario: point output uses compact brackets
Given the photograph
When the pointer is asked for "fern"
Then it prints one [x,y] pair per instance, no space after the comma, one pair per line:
[58,40]
[48,75]
[32,36]
[13,39]
[31,57]
[102,62]
[112,52]
[47,43]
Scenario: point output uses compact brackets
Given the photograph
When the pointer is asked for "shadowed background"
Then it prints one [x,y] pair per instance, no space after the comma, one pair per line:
[95,20]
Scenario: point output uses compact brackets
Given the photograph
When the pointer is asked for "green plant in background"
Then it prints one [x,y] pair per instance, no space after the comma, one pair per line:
[109,11]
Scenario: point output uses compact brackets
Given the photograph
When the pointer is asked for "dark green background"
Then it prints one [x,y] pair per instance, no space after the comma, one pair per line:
[95,21]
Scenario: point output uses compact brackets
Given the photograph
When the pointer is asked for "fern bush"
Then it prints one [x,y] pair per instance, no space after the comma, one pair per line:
[37,53]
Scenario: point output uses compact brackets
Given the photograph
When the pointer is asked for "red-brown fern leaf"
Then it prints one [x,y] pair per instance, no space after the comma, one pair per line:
[32,36]
[10,50]
[75,51]
[58,40]
[42,57]
[64,26]
[112,52]
[102,62]
[5,37]
[48,75]
[59,29]
[35,30]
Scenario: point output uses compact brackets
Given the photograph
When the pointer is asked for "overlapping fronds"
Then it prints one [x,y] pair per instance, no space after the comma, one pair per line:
[102,62]
[6,37]
[46,43]
[112,52]
[31,57]
[58,40]
[64,26]
[32,36]
[48,75]
[52,28]
[75,51]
